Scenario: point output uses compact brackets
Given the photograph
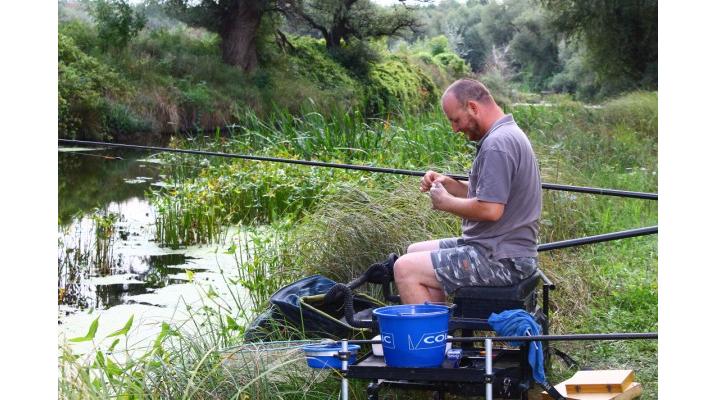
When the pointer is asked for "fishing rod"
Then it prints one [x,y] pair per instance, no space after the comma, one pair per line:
[530,338]
[599,238]
[396,171]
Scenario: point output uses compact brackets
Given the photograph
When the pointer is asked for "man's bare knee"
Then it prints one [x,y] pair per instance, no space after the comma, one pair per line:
[414,247]
[402,269]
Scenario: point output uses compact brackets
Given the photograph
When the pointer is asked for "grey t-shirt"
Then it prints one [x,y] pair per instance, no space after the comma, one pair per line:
[505,171]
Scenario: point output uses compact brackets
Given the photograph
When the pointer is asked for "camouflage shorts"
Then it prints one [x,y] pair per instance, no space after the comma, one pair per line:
[458,264]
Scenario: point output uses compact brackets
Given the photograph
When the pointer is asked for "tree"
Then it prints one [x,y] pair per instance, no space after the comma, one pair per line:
[344,20]
[620,38]
[534,48]
[237,22]
[117,22]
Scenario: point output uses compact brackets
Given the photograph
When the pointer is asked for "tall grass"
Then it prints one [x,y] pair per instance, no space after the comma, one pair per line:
[345,221]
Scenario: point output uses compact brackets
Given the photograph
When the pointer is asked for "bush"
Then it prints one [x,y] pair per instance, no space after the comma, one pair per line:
[117,22]
[398,84]
[439,45]
[82,33]
[84,85]
[357,57]
[452,62]
[122,120]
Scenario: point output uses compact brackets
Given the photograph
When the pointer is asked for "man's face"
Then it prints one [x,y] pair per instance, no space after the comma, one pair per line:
[460,118]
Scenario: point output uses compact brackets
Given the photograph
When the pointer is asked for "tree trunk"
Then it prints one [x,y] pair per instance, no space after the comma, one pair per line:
[239,35]
[337,32]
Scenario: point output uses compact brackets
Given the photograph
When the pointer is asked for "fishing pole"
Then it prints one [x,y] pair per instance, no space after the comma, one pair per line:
[599,238]
[396,171]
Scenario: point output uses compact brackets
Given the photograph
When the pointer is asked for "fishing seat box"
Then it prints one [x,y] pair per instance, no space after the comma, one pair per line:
[476,303]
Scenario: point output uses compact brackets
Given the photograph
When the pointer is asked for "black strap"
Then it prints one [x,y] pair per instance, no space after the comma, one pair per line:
[550,389]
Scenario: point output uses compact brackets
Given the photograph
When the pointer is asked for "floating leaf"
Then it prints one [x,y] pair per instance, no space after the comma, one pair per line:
[124,329]
[91,332]
[190,274]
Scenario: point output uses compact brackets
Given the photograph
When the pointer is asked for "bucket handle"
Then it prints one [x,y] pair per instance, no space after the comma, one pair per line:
[440,303]
[436,303]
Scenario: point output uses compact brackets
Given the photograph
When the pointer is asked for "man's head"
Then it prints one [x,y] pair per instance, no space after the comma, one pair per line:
[470,108]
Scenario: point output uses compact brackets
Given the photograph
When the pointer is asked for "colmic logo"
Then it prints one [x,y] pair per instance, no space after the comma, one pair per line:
[428,341]
[388,340]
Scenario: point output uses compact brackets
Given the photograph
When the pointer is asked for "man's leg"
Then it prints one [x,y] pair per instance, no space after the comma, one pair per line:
[427,245]
[415,279]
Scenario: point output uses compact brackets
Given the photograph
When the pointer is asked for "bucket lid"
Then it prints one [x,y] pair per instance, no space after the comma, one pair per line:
[412,310]
[329,347]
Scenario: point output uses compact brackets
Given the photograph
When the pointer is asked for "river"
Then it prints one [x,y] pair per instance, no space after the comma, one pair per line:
[125,273]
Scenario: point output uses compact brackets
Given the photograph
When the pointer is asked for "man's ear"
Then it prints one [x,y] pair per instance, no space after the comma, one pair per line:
[473,107]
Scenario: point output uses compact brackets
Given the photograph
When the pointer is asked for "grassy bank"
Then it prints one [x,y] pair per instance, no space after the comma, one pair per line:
[170,79]
[337,223]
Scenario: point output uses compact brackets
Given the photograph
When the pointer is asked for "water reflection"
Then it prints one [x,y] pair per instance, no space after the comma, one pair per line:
[92,179]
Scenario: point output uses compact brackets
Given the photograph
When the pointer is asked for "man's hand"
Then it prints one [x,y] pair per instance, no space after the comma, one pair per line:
[430,177]
[439,196]
[455,188]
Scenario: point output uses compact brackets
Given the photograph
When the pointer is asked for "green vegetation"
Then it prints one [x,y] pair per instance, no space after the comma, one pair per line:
[174,78]
[338,222]
[356,98]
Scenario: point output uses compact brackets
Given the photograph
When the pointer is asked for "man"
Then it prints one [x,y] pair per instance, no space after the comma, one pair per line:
[499,206]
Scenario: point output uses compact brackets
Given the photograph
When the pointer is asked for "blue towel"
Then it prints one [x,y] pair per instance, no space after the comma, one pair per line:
[520,323]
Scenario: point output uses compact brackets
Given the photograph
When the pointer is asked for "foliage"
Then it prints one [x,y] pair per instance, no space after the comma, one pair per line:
[637,110]
[397,84]
[84,86]
[83,34]
[117,22]
[607,287]
[238,23]
[177,82]
[620,37]
[357,57]
[345,21]
[576,75]
[326,72]
[534,49]
[509,36]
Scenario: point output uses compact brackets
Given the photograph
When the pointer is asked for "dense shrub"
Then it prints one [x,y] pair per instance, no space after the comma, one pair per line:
[396,83]
[453,62]
[84,88]
[83,34]
[117,22]
[356,57]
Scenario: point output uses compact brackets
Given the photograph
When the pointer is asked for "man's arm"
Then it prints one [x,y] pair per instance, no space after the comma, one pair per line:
[469,208]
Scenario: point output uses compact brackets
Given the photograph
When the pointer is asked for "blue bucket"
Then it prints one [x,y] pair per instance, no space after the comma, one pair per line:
[326,355]
[413,335]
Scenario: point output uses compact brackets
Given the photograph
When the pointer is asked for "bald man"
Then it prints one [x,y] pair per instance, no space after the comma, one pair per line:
[499,205]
